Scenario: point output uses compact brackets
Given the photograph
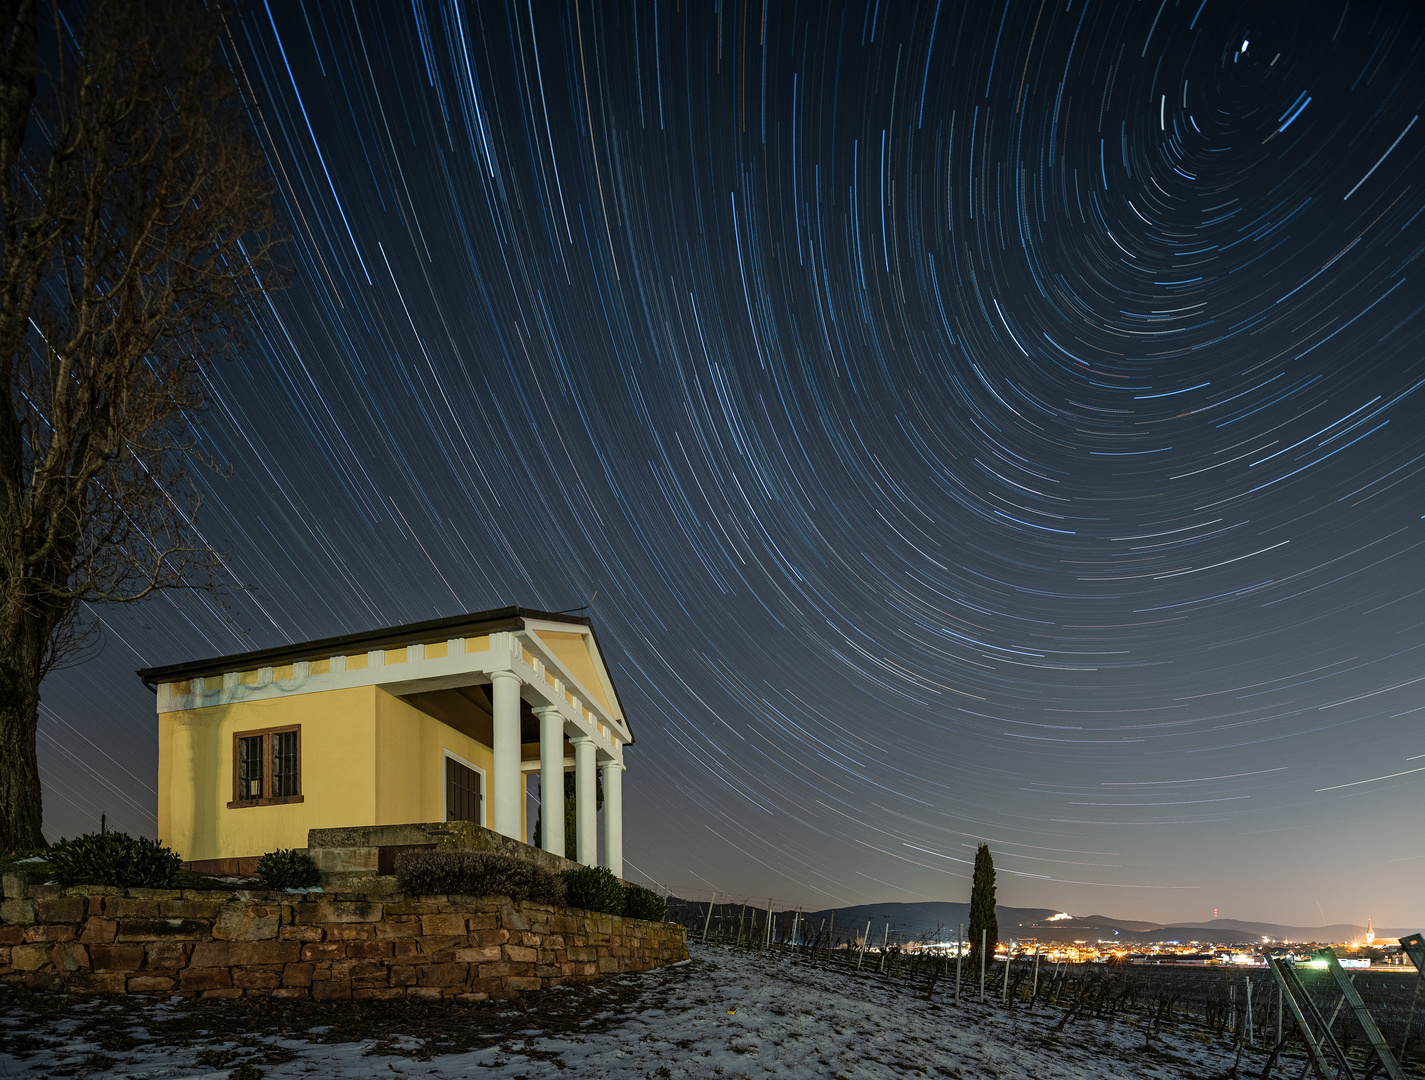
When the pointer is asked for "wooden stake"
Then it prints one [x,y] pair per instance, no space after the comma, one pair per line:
[885,940]
[983,935]
[959,956]
[1248,980]
[865,941]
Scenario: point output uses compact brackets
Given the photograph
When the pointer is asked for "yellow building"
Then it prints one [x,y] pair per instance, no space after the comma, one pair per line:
[436,721]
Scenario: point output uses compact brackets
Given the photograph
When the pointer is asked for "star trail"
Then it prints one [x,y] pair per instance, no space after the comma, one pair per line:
[977,422]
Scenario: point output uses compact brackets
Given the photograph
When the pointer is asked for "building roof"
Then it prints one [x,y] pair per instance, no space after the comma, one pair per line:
[469,625]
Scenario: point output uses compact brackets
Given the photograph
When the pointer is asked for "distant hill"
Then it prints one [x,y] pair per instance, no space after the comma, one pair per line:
[929,920]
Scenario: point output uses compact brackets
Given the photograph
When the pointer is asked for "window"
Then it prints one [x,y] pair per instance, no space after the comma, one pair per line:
[267,767]
[462,792]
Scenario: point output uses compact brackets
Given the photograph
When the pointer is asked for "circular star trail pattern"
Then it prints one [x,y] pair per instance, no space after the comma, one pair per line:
[977,422]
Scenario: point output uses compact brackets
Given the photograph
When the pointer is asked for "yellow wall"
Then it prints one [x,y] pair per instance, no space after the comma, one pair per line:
[195,769]
[368,758]
[410,764]
[573,652]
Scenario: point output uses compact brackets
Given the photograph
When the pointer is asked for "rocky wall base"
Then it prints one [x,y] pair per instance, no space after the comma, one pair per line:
[194,943]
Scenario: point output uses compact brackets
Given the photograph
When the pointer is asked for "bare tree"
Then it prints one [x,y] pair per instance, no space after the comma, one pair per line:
[136,226]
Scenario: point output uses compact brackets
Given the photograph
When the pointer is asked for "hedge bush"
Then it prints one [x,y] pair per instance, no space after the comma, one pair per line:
[469,873]
[287,868]
[593,888]
[641,903]
[113,858]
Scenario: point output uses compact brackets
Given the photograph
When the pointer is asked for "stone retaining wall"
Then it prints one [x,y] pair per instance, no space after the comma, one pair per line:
[326,947]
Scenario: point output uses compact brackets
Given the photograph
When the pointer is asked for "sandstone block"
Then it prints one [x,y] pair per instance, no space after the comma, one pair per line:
[165,955]
[125,907]
[301,933]
[358,969]
[334,911]
[490,937]
[520,983]
[608,965]
[29,957]
[349,931]
[432,947]
[163,930]
[11,934]
[222,992]
[244,953]
[408,908]
[297,975]
[512,919]
[483,921]
[13,909]
[369,948]
[150,984]
[205,979]
[378,992]
[98,931]
[116,957]
[519,954]
[257,978]
[331,990]
[326,950]
[247,922]
[424,992]
[403,975]
[50,932]
[478,954]
[442,974]
[62,909]
[190,909]
[291,992]
[69,956]
[443,925]
[88,982]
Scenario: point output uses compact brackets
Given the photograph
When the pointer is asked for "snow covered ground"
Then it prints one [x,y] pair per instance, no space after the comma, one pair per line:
[722,1014]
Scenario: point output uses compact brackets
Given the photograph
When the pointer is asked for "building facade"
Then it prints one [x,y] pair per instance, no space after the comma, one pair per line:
[435,721]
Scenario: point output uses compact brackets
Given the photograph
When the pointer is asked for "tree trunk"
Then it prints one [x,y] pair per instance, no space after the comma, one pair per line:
[21,807]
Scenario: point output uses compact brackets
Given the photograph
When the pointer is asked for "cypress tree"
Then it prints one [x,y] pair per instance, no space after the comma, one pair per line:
[982,908]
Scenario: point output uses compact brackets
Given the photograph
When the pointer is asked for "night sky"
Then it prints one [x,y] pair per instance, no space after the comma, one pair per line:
[978,422]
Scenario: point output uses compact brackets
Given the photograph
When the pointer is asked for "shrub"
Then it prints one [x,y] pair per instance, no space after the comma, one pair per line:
[469,873]
[593,888]
[641,903]
[287,868]
[114,858]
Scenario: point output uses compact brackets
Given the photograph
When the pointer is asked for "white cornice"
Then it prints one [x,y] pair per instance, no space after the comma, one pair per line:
[417,673]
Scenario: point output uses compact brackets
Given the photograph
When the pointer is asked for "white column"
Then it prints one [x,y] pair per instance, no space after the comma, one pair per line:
[551,778]
[506,782]
[585,801]
[613,817]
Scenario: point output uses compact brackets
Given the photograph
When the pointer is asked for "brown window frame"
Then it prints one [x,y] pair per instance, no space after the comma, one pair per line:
[267,766]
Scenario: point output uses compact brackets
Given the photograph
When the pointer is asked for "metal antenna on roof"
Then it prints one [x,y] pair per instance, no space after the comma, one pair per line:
[586,606]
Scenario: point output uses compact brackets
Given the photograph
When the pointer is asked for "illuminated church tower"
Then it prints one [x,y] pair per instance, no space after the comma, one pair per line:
[1370,931]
